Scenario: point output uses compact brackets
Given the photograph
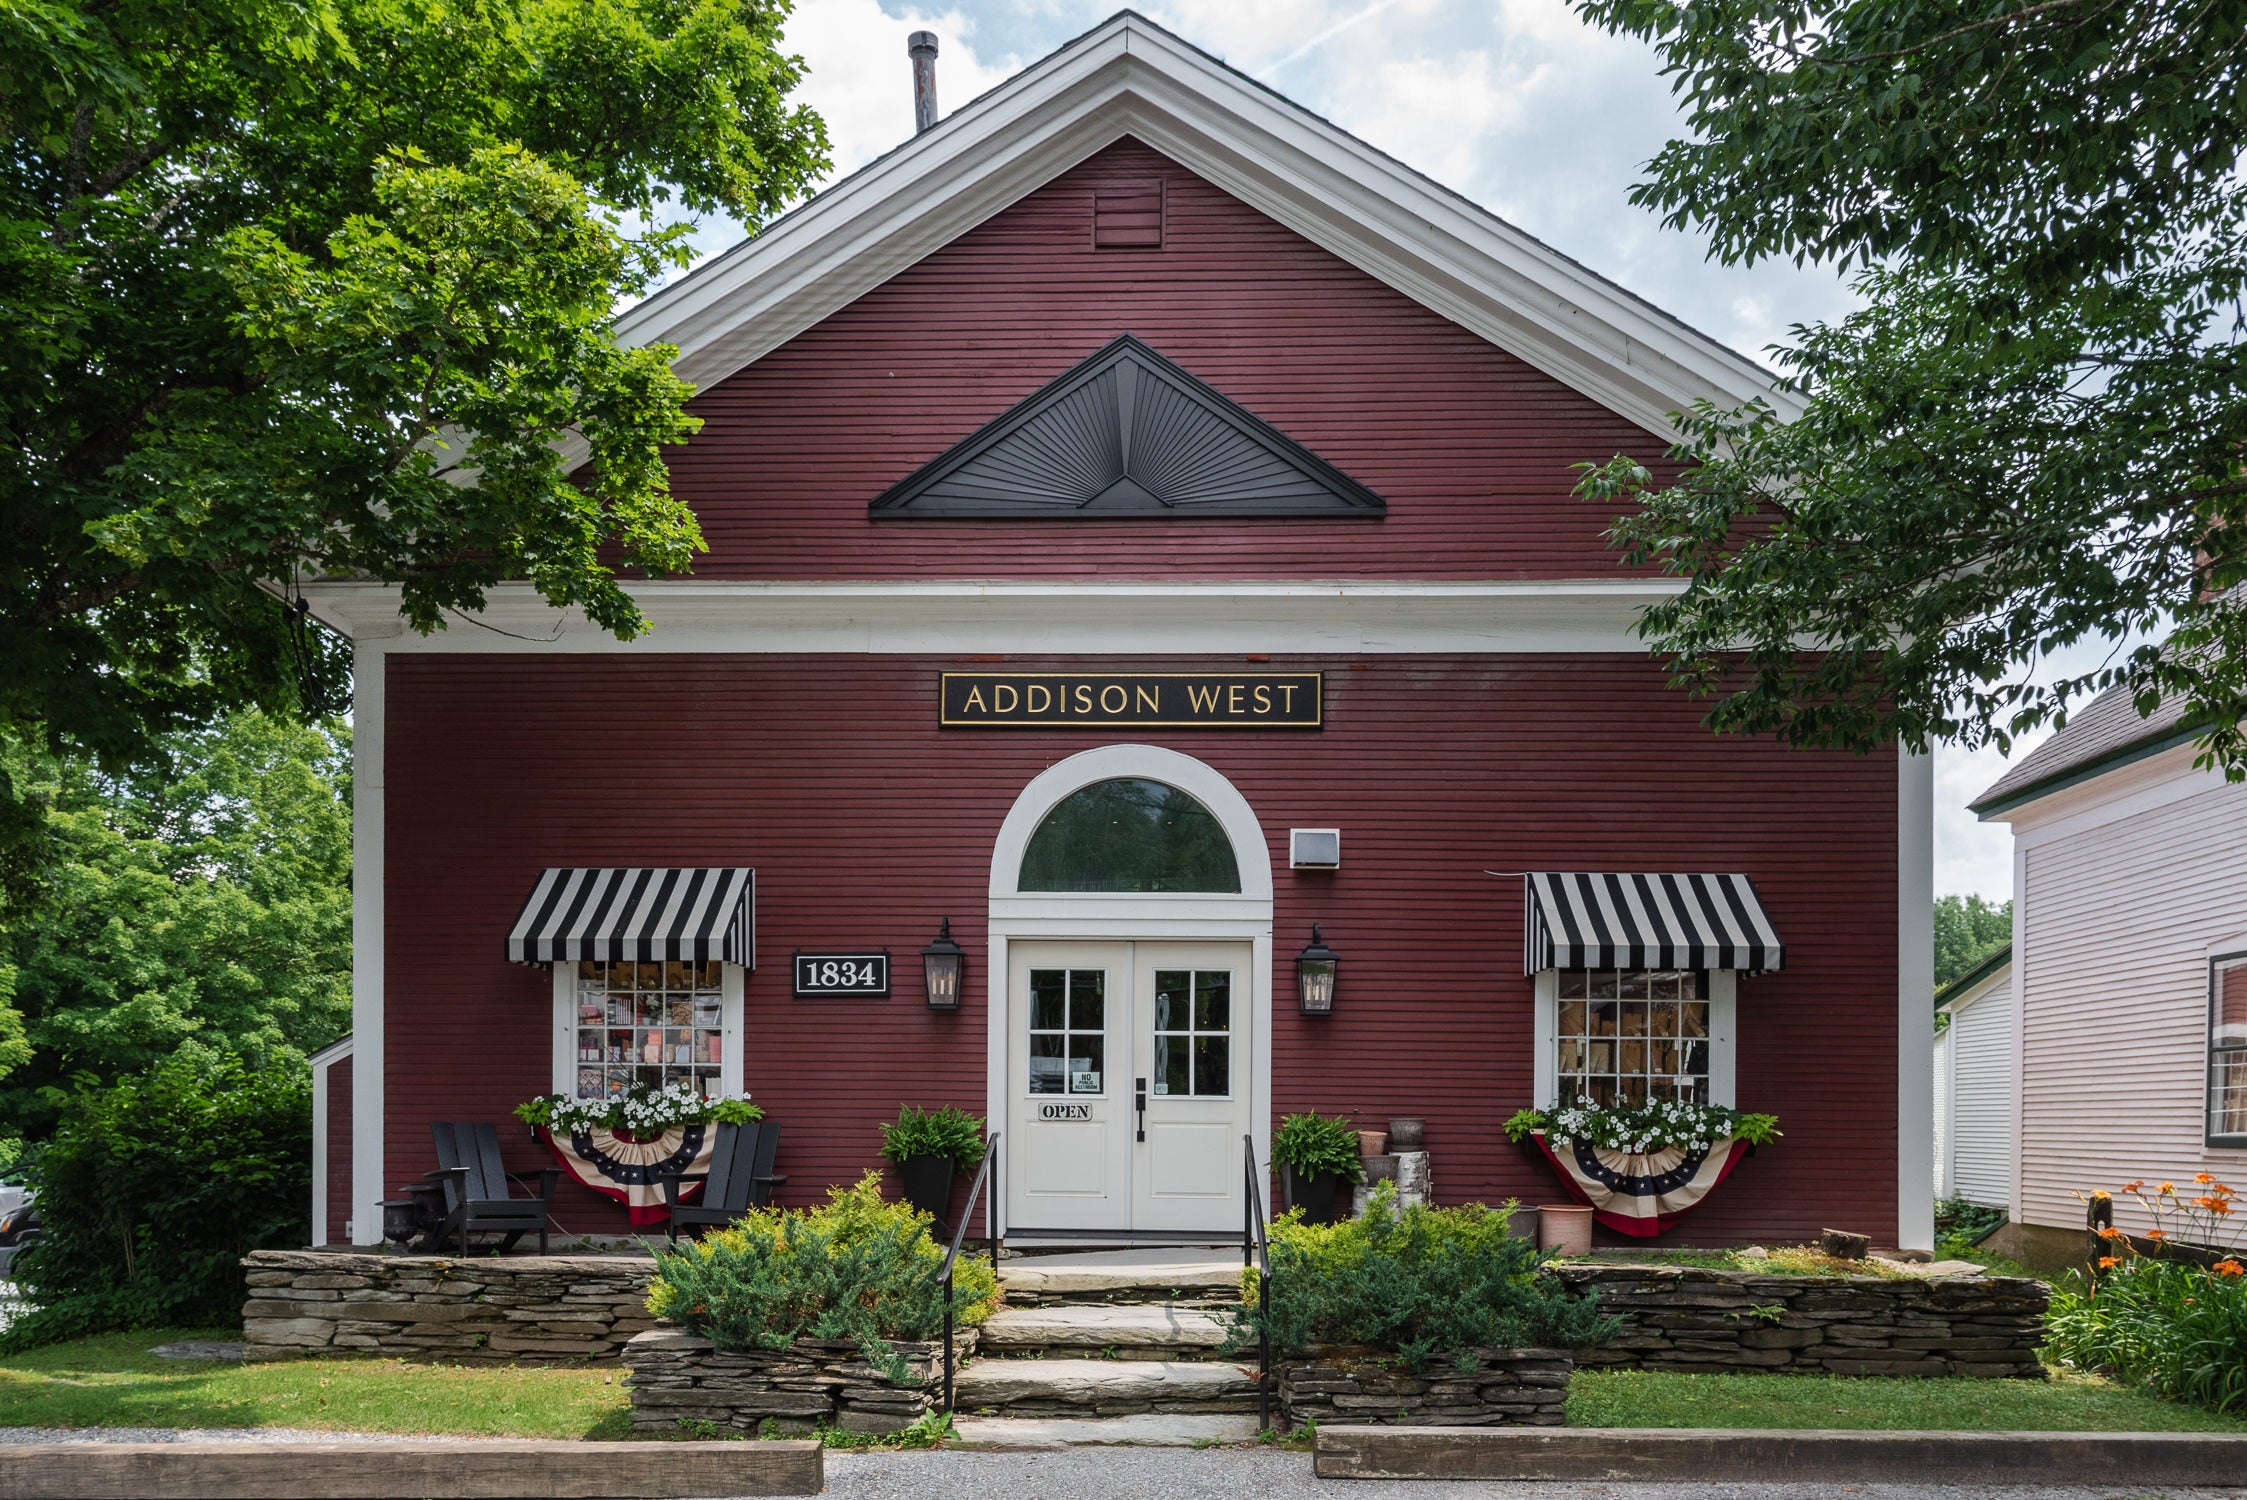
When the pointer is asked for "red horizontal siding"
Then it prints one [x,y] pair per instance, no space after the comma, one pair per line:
[336,1212]
[867,823]
[1472,448]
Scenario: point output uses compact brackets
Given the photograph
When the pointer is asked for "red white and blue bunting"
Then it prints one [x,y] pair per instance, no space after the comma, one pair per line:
[632,1171]
[1640,1194]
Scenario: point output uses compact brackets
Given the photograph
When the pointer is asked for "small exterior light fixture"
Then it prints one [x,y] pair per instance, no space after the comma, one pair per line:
[944,966]
[1314,976]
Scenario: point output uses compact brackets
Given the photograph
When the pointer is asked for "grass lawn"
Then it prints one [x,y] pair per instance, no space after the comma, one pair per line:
[113,1381]
[2065,1403]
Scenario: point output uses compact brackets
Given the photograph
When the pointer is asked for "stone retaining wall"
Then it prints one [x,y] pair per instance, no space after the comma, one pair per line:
[679,1377]
[1507,1388]
[522,1308]
[1688,1319]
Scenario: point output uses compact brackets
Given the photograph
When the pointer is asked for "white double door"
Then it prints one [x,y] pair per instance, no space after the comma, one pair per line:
[1129,1076]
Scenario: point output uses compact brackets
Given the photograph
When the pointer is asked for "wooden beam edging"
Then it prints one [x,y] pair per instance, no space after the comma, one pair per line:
[473,1469]
[1752,1455]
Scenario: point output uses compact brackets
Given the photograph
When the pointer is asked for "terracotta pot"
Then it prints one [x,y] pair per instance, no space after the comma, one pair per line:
[1406,1135]
[1373,1142]
[1565,1228]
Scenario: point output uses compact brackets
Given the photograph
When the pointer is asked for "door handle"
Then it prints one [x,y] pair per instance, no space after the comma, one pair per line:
[1139,1093]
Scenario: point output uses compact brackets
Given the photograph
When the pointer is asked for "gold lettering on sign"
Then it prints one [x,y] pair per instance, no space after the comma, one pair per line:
[1287,704]
[1263,698]
[1123,699]
[975,699]
[1181,700]
[1040,698]
[1233,698]
[1203,698]
[1003,697]
[1084,697]
[1144,698]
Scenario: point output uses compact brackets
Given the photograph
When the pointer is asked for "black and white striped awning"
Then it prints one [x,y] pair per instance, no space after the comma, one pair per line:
[1611,921]
[618,915]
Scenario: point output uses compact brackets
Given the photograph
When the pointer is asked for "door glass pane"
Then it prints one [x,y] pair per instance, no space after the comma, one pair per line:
[1047,987]
[1085,1056]
[1213,999]
[1212,1064]
[1173,1065]
[1087,996]
[1172,986]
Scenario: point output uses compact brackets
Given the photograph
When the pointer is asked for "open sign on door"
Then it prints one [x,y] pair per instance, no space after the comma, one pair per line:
[1064,1111]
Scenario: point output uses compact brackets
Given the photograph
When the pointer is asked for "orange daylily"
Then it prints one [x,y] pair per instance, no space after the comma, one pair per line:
[2109,1262]
[2110,1233]
[2228,1268]
[2131,1187]
[2168,1187]
[2202,1177]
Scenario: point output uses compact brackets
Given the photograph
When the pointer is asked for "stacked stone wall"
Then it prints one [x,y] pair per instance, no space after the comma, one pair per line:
[681,1378]
[514,1308]
[1688,1319]
[1506,1388]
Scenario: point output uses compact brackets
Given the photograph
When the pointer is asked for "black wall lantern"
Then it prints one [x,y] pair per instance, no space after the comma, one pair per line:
[944,966]
[1314,976]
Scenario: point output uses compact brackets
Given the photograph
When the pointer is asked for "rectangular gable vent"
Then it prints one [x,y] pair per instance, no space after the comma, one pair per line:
[1128,216]
[1314,848]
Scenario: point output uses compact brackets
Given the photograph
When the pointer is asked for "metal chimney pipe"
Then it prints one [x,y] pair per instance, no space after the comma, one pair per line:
[921,46]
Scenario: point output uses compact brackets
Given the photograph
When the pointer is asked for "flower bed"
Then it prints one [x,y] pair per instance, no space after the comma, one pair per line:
[1483,1388]
[2173,1319]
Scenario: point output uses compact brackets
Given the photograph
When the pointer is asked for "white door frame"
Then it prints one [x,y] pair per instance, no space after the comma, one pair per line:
[1129,916]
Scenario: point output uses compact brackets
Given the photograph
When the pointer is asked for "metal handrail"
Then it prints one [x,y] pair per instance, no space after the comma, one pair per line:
[984,1187]
[1254,1240]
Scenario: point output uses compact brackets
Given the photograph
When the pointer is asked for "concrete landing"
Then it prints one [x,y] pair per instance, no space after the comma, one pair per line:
[1152,1275]
[1179,1332]
[1101,1387]
[1146,1430]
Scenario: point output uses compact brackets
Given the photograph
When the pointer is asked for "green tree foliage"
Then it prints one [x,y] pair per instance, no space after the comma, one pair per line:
[2031,434]
[155,1187]
[211,908]
[1968,929]
[276,276]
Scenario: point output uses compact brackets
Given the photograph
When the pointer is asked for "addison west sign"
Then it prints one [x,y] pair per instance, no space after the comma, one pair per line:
[1149,700]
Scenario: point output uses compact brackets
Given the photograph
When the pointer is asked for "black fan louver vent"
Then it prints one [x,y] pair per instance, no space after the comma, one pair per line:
[1128,433]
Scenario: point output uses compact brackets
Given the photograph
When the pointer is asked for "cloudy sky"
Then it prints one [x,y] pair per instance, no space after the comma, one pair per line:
[1515,103]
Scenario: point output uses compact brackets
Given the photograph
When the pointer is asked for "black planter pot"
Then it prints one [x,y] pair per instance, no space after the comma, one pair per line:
[928,1184]
[1324,1197]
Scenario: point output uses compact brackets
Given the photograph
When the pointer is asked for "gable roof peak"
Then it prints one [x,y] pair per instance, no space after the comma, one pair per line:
[1128,76]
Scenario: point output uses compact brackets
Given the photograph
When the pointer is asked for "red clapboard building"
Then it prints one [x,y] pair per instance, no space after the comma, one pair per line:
[1141,545]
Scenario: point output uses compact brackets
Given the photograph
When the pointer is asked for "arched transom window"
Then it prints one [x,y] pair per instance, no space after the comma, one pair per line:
[1130,834]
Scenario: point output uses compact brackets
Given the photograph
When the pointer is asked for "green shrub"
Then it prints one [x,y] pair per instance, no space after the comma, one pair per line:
[1420,1283]
[1960,1225]
[2180,1329]
[951,1133]
[1312,1144]
[860,1268]
[154,1188]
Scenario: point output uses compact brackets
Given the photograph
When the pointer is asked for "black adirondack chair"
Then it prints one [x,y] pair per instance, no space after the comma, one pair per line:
[478,1195]
[740,1178]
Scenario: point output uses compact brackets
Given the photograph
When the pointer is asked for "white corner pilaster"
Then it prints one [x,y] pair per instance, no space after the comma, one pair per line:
[367,1039]
[1915,1000]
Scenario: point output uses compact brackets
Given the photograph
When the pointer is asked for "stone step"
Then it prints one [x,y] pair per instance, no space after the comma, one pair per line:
[1139,1330]
[1146,1430]
[1121,1276]
[1101,1387]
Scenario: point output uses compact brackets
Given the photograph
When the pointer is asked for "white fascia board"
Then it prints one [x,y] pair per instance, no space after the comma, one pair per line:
[1131,78]
[1057,617]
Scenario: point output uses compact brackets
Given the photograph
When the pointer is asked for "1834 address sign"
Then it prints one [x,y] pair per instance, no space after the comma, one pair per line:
[1150,700]
[865,974]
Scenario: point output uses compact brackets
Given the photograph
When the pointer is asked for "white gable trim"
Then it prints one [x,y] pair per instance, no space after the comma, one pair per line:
[1130,77]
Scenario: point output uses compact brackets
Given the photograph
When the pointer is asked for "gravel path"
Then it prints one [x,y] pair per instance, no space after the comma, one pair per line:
[1227,1474]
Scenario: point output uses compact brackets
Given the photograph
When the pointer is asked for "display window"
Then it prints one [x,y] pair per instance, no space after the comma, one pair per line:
[660,1024]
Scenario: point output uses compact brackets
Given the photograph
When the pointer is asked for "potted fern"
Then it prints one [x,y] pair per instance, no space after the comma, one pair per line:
[1318,1159]
[929,1148]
